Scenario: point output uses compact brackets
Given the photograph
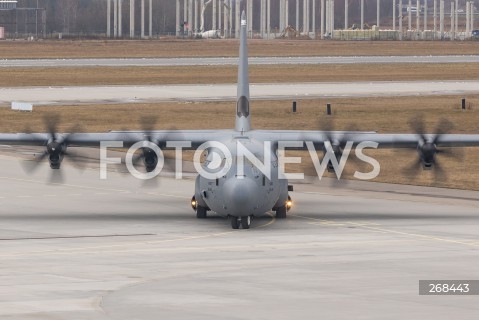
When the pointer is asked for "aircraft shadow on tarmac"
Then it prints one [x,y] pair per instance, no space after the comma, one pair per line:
[339,211]
[384,216]
[119,217]
[185,217]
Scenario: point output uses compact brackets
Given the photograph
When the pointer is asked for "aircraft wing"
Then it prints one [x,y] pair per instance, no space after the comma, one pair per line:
[395,140]
[196,137]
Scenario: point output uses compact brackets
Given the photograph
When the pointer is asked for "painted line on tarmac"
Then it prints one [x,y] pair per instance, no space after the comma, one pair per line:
[271,246]
[80,237]
[65,185]
[431,198]
[416,235]
[273,220]
[168,195]
[88,250]
[110,190]
[99,248]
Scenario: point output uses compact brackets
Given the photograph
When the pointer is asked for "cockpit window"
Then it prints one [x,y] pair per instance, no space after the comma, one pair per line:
[242,107]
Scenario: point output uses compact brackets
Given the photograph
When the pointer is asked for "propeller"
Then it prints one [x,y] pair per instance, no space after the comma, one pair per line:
[147,156]
[338,141]
[56,149]
[427,147]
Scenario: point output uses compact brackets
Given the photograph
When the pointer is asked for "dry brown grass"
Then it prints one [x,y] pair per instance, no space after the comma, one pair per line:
[12,77]
[215,48]
[385,115]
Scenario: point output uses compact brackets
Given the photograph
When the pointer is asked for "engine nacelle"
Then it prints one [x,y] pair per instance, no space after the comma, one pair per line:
[338,154]
[150,159]
[427,155]
[55,154]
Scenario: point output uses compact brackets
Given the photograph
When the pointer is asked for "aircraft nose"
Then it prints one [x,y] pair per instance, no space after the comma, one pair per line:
[240,196]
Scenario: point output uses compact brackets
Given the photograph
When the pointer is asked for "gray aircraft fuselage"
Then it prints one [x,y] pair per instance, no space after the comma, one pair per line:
[251,193]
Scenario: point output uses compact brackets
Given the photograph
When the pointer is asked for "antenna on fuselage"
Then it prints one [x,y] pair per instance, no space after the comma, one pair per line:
[243,122]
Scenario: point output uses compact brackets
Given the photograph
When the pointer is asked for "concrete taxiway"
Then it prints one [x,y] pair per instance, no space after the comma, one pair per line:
[109,249]
[219,61]
[217,92]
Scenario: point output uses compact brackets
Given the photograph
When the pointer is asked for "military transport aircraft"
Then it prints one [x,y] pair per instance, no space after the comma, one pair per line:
[240,193]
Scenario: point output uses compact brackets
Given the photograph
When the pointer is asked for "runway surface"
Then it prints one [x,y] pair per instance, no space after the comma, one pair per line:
[217,92]
[108,249]
[206,61]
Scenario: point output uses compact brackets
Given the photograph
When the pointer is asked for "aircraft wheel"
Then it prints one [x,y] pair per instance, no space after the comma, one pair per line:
[281,212]
[200,212]
[235,222]
[246,222]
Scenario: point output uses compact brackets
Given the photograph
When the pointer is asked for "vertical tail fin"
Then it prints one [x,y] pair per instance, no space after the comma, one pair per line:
[243,122]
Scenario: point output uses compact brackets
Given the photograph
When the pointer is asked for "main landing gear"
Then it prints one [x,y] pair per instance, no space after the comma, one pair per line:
[245,222]
[281,212]
[201,212]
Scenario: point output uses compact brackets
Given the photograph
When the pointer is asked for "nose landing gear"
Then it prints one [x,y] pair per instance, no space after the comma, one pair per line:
[245,222]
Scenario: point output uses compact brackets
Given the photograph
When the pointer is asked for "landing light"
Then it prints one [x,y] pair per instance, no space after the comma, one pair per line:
[289,203]
[194,203]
